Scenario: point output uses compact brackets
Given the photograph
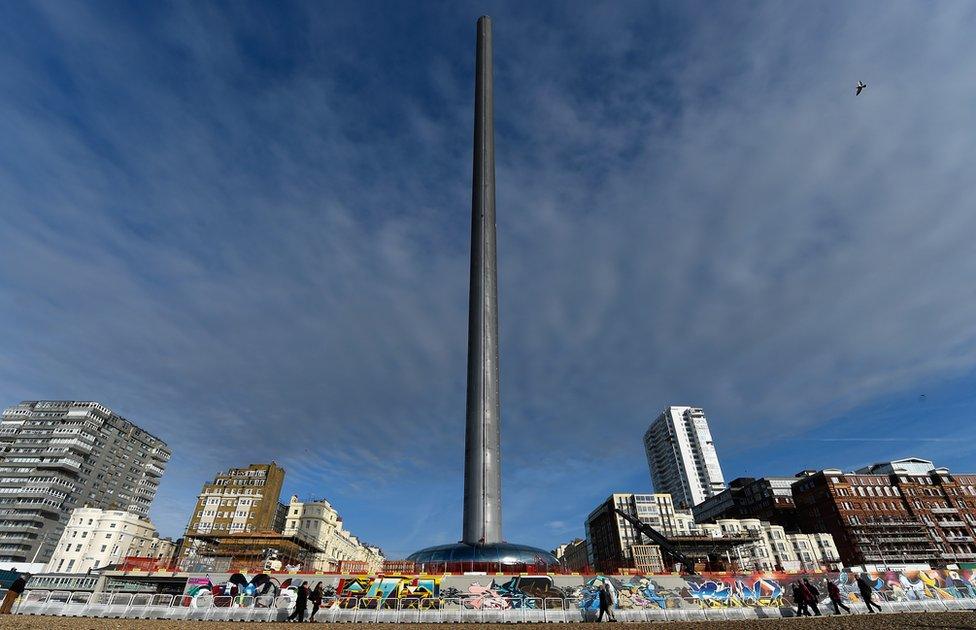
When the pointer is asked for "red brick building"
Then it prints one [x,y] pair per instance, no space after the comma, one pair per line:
[900,512]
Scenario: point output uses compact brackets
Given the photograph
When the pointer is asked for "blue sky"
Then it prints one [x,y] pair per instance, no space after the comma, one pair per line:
[245,227]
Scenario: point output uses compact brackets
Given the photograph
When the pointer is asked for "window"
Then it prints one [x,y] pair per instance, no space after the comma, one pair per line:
[78,547]
[104,547]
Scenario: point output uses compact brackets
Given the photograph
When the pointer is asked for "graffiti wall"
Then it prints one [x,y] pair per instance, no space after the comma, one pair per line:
[627,592]
[771,589]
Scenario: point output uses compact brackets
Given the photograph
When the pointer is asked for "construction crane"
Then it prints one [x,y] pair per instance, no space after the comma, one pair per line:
[661,541]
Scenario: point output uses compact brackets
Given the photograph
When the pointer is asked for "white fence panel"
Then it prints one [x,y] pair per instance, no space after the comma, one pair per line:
[469,612]
[686,614]
[960,604]
[934,605]
[157,607]
[98,605]
[346,611]
[118,605]
[56,602]
[449,610]
[713,613]
[199,608]
[30,602]
[408,610]
[555,611]
[533,609]
[367,610]
[262,608]
[495,610]
[572,610]
[739,612]
[240,608]
[76,605]
[628,614]
[281,609]
[219,605]
[328,610]
[769,612]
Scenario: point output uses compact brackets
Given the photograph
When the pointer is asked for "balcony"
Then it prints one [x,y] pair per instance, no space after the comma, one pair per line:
[154,470]
[958,556]
[944,510]
[33,491]
[80,445]
[19,515]
[915,542]
[62,462]
[7,526]
[958,539]
[951,524]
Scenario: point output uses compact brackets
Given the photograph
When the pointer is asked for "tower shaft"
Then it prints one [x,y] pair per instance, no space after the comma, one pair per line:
[482,457]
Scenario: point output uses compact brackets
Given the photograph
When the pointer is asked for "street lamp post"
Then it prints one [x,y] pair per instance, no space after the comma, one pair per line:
[40,546]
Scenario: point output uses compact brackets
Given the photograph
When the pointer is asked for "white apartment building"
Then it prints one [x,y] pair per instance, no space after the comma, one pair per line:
[773,549]
[681,456]
[815,550]
[56,455]
[95,538]
[319,524]
[612,542]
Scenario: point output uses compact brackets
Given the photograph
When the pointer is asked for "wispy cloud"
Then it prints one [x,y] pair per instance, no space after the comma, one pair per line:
[245,227]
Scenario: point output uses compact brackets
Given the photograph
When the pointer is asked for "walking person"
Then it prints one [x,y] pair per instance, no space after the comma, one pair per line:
[834,593]
[800,600]
[301,603]
[866,592]
[16,590]
[606,603]
[812,595]
[316,598]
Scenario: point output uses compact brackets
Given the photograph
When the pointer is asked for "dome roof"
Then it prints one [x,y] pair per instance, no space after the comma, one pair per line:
[492,553]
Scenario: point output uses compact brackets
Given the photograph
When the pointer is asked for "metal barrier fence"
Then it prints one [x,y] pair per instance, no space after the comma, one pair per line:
[410,610]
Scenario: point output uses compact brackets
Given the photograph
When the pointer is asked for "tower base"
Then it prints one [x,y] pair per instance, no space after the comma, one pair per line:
[494,557]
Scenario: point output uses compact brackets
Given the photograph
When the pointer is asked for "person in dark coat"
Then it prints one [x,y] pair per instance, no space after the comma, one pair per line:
[15,591]
[812,595]
[301,603]
[606,603]
[834,593]
[316,598]
[800,600]
[866,592]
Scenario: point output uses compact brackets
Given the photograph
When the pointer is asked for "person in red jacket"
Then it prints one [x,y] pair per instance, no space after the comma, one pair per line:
[834,593]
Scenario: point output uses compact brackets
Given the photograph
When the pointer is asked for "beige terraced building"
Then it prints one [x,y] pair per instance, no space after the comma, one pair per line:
[237,502]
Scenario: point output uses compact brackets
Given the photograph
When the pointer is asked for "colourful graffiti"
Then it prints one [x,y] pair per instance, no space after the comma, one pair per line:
[517,592]
[384,591]
[632,592]
[753,591]
[627,591]
[768,590]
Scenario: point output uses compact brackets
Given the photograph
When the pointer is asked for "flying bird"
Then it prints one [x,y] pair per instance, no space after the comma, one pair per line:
[860,86]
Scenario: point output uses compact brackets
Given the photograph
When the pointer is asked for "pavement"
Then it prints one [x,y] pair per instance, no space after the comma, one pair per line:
[899,621]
